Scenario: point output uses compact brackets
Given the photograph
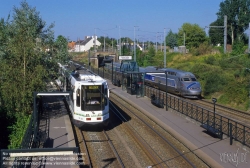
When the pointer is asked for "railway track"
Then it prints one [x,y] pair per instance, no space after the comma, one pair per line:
[155,143]
[97,148]
[234,114]
[238,115]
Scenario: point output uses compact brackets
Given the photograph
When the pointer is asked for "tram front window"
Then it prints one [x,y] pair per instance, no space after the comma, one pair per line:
[92,98]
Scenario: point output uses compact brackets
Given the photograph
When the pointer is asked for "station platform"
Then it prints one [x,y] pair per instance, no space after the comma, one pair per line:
[55,124]
[214,151]
[55,131]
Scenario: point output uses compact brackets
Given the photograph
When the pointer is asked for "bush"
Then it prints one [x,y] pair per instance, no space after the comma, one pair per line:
[203,49]
[212,78]
[238,48]
[239,92]
[215,82]
[18,130]
[210,60]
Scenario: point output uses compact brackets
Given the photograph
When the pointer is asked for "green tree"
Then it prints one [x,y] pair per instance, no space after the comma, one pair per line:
[149,57]
[216,34]
[194,35]
[171,39]
[61,46]
[25,63]
[238,17]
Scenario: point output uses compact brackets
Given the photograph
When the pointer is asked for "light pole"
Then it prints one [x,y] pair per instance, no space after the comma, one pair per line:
[214,101]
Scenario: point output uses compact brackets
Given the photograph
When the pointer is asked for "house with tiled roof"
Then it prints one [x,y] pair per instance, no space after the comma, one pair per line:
[86,44]
[71,46]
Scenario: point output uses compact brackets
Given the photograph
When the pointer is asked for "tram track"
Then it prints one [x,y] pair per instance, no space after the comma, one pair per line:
[167,151]
[97,148]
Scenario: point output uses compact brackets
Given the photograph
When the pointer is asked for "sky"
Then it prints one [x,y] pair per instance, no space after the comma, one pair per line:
[141,19]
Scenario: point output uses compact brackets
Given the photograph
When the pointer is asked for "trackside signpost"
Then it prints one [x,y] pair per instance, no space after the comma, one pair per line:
[125,57]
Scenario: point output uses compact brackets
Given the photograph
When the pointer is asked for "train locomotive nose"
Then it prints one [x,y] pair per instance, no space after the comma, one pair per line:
[194,88]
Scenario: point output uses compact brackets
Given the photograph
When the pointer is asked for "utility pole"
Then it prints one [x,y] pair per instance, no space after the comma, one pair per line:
[120,41]
[249,40]
[184,41]
[134,45]
[225,32]
[95,42]
[156,42]
[112,46]
[104,43]
[164,49]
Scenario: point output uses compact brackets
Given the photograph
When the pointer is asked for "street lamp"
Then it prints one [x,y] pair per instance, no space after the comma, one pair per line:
[214,101]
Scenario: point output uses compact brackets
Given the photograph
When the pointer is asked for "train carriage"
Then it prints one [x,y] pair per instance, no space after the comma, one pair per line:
[179,82]
[89,104]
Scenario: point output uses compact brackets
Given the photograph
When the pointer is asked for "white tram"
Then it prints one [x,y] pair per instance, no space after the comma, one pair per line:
[89,103]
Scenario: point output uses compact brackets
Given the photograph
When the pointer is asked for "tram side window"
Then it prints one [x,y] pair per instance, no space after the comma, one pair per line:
[72,90]
[104,95]
[78,98]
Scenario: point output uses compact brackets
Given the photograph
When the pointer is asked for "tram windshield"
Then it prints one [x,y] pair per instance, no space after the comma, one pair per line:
[93,97]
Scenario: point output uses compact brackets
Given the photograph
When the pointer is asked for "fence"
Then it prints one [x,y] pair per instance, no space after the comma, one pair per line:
[238,131]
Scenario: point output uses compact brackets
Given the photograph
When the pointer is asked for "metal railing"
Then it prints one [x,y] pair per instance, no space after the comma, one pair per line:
[238,131]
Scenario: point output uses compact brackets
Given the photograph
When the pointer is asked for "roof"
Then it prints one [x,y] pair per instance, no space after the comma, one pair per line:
[71,45]
[83,42]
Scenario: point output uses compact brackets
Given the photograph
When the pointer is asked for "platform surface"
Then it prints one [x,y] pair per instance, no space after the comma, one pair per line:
[218,153]
[56,131]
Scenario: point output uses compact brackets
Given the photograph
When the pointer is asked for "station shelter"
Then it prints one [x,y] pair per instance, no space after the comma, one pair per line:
[132,79]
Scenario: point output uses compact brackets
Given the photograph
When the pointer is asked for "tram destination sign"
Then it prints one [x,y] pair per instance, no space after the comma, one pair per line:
[125,57]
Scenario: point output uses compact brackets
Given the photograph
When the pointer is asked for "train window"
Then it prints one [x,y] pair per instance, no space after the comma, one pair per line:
[104,95]
[186,79]
[193,79]
[78,98]
[73,90]
[93,97]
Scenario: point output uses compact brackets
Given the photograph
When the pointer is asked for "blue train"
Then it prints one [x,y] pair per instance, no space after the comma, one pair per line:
[179,82]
